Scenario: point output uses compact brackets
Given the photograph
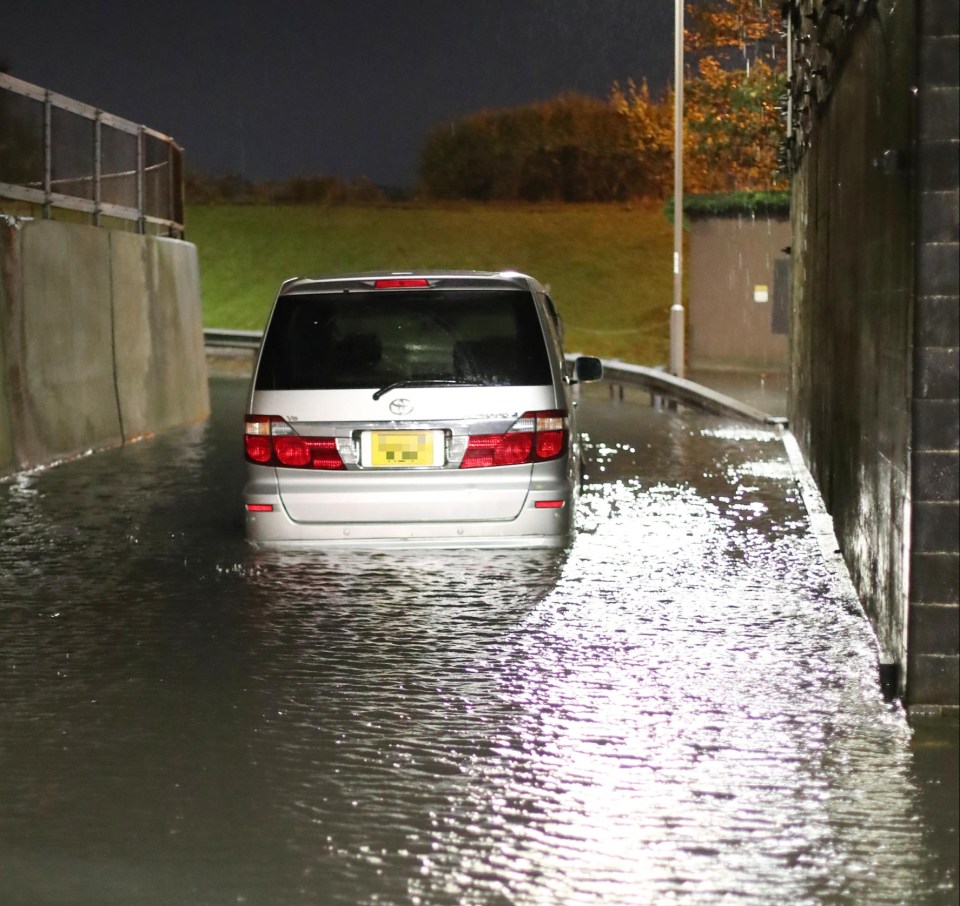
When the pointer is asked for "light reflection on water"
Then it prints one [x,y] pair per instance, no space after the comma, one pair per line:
[683,707]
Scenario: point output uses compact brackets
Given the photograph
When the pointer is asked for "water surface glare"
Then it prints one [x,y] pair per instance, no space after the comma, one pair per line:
[681,708]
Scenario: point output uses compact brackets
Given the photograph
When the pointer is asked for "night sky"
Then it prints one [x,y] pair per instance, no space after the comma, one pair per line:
[346,88]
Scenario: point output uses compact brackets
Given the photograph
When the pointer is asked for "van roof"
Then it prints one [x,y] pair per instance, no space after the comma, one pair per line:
[436,279]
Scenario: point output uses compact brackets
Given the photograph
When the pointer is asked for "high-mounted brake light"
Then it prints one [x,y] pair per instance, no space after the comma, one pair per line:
[400,283]
[534,437]
[270,441]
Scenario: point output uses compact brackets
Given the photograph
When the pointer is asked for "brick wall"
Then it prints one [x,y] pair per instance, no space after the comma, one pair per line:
[874,327]
[934,619]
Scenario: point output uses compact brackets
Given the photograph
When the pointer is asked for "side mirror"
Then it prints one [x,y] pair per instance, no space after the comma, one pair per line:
[587,368]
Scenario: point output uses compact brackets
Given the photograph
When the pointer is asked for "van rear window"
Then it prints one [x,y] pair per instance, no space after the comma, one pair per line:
[326,341]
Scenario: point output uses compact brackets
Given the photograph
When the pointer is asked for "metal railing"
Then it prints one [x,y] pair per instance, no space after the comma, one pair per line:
[232,339]
[59,153]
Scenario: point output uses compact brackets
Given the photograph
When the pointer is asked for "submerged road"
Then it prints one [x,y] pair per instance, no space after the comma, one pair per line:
[682,708]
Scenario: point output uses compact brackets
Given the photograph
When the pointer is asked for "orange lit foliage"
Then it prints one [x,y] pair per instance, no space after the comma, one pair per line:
[651,123]
[732,129]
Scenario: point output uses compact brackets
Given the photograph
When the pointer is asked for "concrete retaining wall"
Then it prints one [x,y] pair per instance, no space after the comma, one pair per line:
[101,340]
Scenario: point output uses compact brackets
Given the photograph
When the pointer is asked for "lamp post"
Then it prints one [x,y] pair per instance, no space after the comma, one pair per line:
[676,310]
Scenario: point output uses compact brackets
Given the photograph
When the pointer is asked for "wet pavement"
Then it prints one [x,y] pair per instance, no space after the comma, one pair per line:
[764,390]
[682,708]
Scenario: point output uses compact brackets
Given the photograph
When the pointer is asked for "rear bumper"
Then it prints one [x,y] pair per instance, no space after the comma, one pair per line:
[533,528]
[530,526]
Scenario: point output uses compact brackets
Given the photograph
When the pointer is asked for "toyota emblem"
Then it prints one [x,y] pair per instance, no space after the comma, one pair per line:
[401,407]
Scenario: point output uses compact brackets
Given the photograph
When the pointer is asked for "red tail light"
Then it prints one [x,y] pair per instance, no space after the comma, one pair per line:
[497,450]
[270,441]
[401,283]
[292,452]
[259,449]
[534,437]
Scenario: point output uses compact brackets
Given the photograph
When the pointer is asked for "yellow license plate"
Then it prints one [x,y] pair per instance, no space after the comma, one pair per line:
[402,448]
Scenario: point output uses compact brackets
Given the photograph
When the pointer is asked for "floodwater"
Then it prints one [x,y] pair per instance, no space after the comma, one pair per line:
[681,708]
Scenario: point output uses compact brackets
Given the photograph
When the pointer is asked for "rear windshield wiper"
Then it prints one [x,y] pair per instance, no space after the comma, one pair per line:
[413,382]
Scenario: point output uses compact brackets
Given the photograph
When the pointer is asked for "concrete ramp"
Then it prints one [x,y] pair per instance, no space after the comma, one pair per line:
[101,340]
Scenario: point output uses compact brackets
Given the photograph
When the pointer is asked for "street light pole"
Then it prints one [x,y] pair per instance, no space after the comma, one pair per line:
[676,311]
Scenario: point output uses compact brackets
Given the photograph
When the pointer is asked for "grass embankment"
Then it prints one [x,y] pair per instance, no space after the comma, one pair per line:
[608,266]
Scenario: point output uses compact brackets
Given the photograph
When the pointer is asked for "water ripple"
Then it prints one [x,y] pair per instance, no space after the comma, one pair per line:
[681,708]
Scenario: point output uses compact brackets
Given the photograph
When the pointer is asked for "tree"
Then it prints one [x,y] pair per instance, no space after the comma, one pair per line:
[571,148]
[730,107]
[734,30]
[732,128]
[651,124]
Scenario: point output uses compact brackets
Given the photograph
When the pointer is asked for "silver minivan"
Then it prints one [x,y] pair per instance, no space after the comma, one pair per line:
[413,409]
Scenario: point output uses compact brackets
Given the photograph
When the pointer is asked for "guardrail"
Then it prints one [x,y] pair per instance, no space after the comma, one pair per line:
[232,339]
[658,383]
[686,393]
[56,152]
